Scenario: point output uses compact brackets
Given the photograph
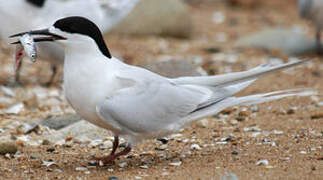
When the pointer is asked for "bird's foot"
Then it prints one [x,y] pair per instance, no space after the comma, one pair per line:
[105,160]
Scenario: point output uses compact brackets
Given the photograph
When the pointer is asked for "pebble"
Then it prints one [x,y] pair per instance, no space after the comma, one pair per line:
[229,176]
[58,170]
[252,129]
[254,108]
[175,163]
[196,147]
[95,143]
[48,163]
[106,145]
[81,169]
[34,156]
[264,162]
[174,136]
[50,150]
[234,122]
[8,147]
[15,109]
[7,91]
[303,152]
[218,17]
[164,140]
[165,173]
[144,167]
[113,178]
[162,147]
[27,128]
[277,132]
[122,164]
[203,123]
[46,142]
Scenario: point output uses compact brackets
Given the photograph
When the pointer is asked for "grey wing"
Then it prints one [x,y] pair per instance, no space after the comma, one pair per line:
[151,105]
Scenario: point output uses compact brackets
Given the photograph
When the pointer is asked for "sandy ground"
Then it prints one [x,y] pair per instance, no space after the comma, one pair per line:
[293,149]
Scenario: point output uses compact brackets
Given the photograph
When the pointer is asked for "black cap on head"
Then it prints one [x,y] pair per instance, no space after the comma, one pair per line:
[81,25]
[38,3]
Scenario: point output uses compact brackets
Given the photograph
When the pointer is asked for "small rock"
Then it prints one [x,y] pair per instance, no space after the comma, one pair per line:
[7,91]
[229,176]
[46,142]
[27,128]
[317,115]
[175,163]
[34,156]
[50,150]
[165,173]
[173,17]
[203,123]
[264,162]
[277,132]
[61,121]
[287,40]
[81,169]
[218,17]
[162,147]
[106,145]
[292,110]
[254,108]
[196,147]
[95,143]
[164,140]
[303,152]
[58,170]
[15,109]
[48,163]
[8,147]
[212,50]
[252,129]
[113,178]
[122,164]
[144,167]
[234,122]
[81,130]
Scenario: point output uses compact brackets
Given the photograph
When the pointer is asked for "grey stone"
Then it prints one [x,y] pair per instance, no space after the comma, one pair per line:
[82,131]
[173,68]
[34,156]
[229,176]
[285,39]
[156,17]
[8,147]
[59,122]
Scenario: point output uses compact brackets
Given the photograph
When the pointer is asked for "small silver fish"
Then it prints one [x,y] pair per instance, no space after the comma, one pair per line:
[29,46]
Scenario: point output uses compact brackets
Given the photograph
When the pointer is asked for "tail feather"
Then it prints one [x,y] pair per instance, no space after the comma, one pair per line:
[246,100]
[237,77]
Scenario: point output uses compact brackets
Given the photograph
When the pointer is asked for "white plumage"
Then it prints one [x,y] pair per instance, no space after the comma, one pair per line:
[21,15]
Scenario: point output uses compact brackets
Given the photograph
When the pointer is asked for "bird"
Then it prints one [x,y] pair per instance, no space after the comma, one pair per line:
[19,15]
[313,10]
[133,102]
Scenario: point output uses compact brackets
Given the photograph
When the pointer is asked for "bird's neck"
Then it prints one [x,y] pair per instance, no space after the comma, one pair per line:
[82,49]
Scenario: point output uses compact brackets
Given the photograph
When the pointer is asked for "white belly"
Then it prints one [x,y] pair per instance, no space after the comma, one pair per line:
[85,88]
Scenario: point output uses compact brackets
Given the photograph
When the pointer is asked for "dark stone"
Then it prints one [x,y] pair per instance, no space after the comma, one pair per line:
[59,122]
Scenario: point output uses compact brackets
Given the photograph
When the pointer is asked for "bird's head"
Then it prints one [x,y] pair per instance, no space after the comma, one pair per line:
[71,31]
